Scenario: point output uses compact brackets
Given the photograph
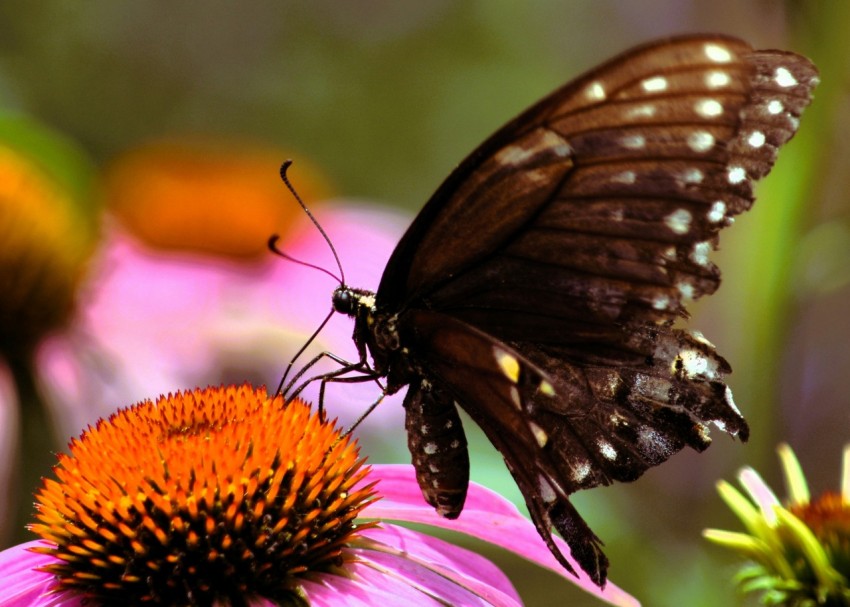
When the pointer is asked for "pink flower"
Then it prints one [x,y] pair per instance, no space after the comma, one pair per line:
[225,496]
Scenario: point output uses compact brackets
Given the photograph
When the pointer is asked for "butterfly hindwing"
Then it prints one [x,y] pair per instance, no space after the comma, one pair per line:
[498,388]
[561,426]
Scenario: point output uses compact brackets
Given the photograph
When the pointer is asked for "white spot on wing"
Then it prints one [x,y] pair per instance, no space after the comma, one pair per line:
[606,449]
[617,419]
[717,212]
[539,434]
[581,472]
[624,177]
[717,53]
[547,493]
[736,174]
[653,442]
[692,175]
[653,388]
[708,108]
[756,139]
[645,110]
[679,221]
[695,363]
[686,289]
[656,84]
[660,302]
[698,336]
[731,401]
[700,141]
[784,78]
[548,142]
[537,175]
[614,383]
[515,399]
[557,145]
[699,254]
[513,155]
[717,79]
[430,448]
[634,142]
[595,91]
[775,107]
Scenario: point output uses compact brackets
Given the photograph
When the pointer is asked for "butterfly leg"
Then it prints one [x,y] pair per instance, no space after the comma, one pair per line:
[353,380]
[366,413]
[363,373]
[335,376]
[344,364]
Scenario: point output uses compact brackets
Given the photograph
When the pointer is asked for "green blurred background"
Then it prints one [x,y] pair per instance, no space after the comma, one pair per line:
[386,97]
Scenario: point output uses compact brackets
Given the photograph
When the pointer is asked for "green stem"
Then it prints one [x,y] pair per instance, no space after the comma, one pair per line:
[37,445]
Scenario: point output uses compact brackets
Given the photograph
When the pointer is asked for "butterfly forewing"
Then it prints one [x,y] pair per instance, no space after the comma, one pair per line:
[538,287]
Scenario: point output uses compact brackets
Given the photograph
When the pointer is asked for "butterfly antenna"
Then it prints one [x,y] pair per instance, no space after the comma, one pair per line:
[273,240]
[283,168]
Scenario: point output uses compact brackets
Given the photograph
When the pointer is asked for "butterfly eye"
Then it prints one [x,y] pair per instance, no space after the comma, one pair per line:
[344,301]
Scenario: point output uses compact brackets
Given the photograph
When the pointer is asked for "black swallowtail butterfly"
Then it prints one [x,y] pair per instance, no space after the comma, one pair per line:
[538,287]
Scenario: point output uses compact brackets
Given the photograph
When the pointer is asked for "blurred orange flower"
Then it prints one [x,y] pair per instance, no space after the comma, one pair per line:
[208,196]
[46,236]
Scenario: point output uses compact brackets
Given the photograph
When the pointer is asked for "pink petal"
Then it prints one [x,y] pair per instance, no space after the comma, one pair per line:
[456,566]
[366,588]
[426,582]
[760,493]
[23,586]
[487,516]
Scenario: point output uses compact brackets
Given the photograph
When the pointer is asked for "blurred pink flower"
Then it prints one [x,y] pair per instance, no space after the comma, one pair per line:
[150,322]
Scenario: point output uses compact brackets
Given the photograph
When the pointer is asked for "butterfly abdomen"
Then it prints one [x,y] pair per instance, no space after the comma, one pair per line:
[437,446]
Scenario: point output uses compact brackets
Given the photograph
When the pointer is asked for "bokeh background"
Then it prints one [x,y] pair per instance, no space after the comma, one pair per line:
[157,128]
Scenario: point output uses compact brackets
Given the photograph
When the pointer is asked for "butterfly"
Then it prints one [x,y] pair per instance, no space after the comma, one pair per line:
[538,288]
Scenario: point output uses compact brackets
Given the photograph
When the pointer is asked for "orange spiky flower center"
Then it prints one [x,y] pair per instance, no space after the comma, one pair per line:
[215,496]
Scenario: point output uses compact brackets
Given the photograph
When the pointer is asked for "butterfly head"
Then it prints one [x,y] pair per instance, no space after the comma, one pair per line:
[353,302]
